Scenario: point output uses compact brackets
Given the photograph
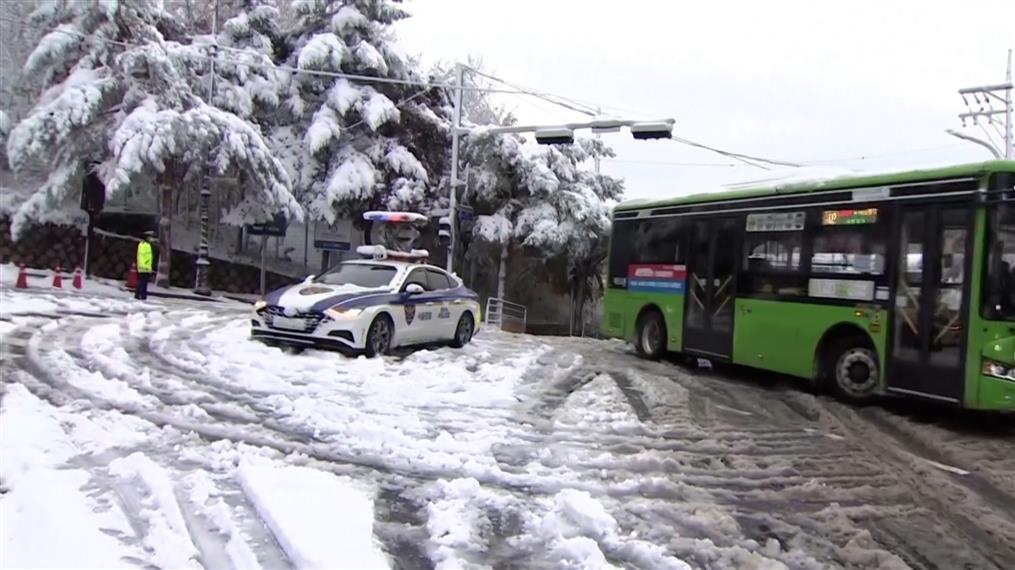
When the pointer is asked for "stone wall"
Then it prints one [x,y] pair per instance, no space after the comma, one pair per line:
[47,246]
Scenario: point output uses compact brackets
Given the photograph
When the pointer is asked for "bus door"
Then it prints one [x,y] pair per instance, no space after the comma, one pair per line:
[709,302]
[931,302]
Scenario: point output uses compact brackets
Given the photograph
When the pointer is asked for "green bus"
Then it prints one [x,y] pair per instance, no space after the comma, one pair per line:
[898,284]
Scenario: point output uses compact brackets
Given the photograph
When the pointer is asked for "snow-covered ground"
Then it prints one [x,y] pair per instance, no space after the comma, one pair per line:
[158,435]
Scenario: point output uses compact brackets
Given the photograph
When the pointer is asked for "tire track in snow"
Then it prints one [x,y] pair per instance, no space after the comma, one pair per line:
[765,459]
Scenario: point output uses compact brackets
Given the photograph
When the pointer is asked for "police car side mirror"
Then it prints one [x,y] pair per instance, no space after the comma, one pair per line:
[309,279]
[414,288]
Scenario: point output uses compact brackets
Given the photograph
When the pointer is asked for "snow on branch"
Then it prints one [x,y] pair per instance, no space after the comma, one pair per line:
[324,51]
[149,137]
[379,110]
[83,98]
[53,202]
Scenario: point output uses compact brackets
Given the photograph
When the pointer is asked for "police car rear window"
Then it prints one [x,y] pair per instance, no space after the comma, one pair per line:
[359,274]
[437,280]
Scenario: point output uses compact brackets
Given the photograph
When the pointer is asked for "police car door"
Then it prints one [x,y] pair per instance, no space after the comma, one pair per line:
[446,310]
[415,307]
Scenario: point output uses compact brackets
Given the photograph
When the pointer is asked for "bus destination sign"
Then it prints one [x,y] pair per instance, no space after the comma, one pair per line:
[849,217]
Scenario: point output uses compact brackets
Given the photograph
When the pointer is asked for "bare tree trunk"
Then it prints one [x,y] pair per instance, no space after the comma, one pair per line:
[502,273]
[166,229]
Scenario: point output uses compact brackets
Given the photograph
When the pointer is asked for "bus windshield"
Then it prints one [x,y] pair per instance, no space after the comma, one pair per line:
[999,292]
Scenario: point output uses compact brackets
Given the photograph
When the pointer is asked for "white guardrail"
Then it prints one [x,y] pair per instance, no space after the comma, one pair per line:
[505,315]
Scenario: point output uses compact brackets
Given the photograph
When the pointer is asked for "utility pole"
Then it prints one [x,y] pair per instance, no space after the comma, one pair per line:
[984,98]
[455,135]
[202,263]
[1009,143]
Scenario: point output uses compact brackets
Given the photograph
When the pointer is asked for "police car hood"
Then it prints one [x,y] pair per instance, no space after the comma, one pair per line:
[306,297]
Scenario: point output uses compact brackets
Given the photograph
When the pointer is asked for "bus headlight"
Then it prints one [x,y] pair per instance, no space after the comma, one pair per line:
[997,370]
[340,314]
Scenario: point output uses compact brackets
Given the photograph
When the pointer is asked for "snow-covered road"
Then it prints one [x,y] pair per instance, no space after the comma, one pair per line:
[167,438]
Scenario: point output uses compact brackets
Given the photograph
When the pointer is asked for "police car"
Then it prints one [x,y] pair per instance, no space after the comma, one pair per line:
[370,306]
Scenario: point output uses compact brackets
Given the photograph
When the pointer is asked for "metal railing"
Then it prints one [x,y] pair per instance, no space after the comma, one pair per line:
[505,315]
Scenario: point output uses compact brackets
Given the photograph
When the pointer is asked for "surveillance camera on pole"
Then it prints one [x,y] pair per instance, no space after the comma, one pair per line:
[652,130]
[555,135]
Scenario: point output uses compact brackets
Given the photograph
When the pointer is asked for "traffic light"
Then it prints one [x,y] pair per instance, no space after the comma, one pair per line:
[652,130]
[555,135]
[444,230]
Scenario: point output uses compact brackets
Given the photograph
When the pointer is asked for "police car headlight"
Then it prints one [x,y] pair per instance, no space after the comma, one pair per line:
[339,314]
[260,304]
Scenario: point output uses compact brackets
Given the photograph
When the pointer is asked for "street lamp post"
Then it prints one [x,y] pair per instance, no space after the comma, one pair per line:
[201,269]
[201,285]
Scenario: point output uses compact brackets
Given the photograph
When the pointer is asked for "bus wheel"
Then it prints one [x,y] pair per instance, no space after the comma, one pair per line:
[650,340]
[855,373]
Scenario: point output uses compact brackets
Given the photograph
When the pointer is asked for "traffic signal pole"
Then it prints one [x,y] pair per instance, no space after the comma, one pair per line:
[455,136]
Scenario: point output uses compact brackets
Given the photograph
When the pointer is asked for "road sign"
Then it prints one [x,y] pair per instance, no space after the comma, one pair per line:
[332,245]
[276,227]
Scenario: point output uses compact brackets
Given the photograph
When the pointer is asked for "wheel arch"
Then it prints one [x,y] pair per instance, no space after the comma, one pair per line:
[644,310]
[385,312]
[831,339]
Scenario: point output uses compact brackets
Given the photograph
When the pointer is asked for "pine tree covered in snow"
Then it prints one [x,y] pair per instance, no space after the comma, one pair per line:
[353,144]
[120,92]
[546,198]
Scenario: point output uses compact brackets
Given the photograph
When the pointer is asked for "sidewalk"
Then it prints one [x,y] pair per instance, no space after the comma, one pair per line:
[41,281]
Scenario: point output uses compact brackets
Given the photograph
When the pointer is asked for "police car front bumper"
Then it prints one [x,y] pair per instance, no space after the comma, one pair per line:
[319,331]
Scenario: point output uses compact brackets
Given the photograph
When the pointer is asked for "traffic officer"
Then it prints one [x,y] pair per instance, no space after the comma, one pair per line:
[144,265]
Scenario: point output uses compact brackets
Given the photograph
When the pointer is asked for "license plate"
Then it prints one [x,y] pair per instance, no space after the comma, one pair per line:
[289,323]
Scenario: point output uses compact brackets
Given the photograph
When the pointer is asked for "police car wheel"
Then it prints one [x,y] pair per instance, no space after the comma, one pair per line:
[379,336]
[463,333]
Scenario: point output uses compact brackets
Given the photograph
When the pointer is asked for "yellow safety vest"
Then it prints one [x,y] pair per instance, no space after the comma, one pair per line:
[144,257]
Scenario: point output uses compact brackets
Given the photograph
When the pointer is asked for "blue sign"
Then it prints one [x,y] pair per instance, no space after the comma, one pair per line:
[332,245]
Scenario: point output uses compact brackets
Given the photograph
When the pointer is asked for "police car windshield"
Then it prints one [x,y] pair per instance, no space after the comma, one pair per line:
[359,274]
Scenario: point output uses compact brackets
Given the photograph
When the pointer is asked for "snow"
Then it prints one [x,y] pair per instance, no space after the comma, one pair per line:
[324,51]
[149,137]
[167,537]
[44,499]
[346,19]
[53,47]
[321,521]
[495,228]
[49,522]
[344,96]
[325,128]
[354,178]
[30,436]
[379,110]
[399,159]
[370,58]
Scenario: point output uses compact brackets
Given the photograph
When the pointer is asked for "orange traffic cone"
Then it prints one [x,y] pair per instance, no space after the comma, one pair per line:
[78,278]
[22,278]
[58,278]
[132,277]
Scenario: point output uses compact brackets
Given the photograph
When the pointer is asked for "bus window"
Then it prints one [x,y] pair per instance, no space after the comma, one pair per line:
[848,251]
[653,240]
[772,253]
[1000,295]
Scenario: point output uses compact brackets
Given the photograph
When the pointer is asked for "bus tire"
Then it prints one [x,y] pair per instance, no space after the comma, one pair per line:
[650,335]
[854,373]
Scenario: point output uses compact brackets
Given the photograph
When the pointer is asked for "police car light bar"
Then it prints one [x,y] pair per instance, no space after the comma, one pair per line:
[374,251]
[380,252]
[401,217]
